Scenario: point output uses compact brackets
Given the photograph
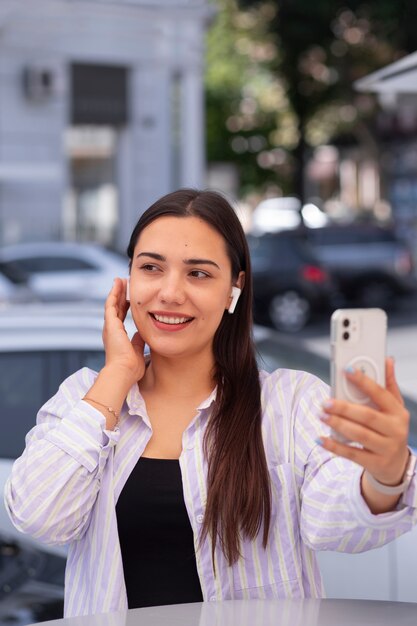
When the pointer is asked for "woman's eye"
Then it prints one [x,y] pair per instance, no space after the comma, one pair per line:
[149,267]
[199,274]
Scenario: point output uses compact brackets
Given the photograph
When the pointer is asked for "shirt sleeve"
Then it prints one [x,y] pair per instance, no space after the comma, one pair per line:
[333,513]
[54,483]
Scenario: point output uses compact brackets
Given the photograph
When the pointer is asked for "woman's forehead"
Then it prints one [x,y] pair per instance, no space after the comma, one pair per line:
[186,232]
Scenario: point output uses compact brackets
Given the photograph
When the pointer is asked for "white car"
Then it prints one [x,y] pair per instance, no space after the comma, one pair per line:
[42,345]
[14,286]
[66,270]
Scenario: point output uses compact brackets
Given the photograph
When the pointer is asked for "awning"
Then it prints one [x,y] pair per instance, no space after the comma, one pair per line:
[398,77]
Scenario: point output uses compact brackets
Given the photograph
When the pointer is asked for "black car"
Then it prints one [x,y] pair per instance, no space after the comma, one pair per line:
[290,284]
[371,264]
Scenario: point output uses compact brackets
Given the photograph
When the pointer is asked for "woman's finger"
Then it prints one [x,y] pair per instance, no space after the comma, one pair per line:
[380,396]
[116,303]
[390,380]
[389,425]
[370,439]
[385,470]
[138,343]
[359,455]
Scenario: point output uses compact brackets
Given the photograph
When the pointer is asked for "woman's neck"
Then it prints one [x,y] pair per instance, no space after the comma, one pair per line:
[179,378]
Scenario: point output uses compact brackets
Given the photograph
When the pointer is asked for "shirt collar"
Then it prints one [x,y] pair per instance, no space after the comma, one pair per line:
[206,404]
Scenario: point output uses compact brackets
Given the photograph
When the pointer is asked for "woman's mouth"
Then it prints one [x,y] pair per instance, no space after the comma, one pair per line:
[170,322]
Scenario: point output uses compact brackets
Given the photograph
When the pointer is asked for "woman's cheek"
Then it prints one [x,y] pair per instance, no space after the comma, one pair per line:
[139,294]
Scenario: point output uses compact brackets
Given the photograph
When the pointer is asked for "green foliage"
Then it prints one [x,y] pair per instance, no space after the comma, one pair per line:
[282,72]
[245,102]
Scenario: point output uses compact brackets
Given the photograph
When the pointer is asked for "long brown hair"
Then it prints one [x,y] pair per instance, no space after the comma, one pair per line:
[238,488]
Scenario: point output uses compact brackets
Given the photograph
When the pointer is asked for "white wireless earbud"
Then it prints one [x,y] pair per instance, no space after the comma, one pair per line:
[235,297]
[127,291]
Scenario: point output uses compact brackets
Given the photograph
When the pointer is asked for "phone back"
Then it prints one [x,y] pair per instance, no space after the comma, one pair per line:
[358,340]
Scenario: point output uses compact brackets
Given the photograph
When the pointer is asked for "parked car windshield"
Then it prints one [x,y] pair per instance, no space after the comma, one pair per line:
[350,234]
[27,381]
[287,248]
[41,264]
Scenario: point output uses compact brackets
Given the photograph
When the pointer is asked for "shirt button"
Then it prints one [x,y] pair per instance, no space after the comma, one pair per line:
[213,599]
[200,519]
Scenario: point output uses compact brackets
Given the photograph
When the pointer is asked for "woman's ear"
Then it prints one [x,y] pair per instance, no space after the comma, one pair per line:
[241,280]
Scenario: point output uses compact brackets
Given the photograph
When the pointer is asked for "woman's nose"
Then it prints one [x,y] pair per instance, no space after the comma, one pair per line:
[172,290]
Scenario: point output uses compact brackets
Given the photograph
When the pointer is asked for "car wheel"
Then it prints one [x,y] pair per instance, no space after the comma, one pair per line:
[289,311]
[376,294]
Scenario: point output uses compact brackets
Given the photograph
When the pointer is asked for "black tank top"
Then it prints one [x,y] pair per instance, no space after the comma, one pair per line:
[156,537]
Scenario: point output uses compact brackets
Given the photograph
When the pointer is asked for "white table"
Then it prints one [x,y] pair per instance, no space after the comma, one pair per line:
[259,613]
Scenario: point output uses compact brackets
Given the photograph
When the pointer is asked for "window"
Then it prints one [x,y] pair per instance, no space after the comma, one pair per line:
[349,236]
[13,272]
[27,381]
[276,251]
[23,379]
[93,359]
[39,264]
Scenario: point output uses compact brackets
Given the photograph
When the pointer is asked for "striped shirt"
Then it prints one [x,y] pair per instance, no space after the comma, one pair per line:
[64,487]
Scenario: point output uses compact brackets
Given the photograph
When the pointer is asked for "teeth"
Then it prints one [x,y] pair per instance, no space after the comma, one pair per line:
[171,320]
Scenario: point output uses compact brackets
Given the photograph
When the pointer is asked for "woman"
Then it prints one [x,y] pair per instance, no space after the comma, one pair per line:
[191,475]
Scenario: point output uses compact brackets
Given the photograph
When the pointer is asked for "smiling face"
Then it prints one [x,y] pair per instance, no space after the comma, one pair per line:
[180,285]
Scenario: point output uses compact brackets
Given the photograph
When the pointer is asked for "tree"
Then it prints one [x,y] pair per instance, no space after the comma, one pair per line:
[249,120]
[321,48]
[325,46]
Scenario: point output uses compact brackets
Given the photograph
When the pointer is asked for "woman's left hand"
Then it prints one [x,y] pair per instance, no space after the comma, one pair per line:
[382,431]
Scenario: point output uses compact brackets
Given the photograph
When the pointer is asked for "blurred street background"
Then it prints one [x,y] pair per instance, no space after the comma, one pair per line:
[303,114]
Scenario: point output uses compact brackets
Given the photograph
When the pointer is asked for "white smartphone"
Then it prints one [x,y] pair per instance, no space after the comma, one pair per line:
[358,340]
[127,290]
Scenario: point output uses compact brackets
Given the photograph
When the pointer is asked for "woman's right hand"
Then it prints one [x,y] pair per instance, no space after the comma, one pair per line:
[121,352]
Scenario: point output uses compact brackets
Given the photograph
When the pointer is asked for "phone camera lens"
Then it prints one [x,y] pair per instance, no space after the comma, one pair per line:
[346,323]
[346,336]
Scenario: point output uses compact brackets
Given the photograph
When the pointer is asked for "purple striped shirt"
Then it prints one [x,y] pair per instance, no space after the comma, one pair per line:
[64,487]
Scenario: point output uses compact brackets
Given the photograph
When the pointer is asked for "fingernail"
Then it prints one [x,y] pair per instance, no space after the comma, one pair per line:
[319,441]
[324,417]
[327,404]
[349,369]
[392,359]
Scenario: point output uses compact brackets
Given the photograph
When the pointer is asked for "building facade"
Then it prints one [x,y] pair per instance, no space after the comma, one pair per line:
[101,112]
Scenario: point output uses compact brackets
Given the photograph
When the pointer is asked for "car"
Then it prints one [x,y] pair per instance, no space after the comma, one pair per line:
[14,286]
[371,264]
[40,345]
[31,583]
[290,284]
[59,270]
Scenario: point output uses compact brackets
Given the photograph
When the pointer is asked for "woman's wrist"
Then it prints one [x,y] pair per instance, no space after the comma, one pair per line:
[111,415]
[400,486]
[109,392]
[119,375]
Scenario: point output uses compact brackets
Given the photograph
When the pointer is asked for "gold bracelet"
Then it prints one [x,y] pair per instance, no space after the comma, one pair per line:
[108,408]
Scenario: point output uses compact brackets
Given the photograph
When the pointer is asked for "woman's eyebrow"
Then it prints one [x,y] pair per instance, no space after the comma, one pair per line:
[153,255]
[200,262]
[160,257]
